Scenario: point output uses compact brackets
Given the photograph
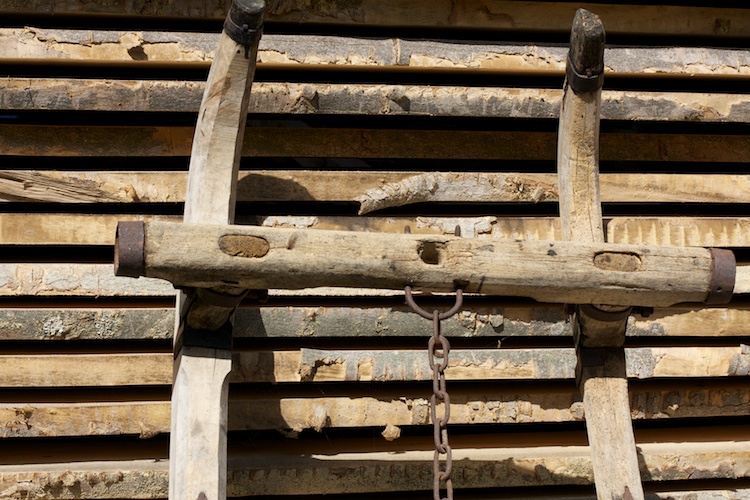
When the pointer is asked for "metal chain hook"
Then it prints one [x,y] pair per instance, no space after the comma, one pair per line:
[439,347]
[428,315]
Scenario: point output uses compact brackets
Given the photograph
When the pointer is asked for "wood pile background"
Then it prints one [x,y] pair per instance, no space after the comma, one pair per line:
[367,115]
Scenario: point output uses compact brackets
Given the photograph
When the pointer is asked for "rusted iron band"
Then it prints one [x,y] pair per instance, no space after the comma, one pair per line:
[583,83]
[244,22]
[723,275]
[129,243]
[584,68]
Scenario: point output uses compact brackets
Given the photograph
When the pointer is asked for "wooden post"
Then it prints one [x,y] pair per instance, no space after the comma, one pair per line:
[203,330]
[600,330]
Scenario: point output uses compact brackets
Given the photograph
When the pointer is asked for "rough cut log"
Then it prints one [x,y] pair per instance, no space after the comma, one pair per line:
[274,142]
[319,365]
[97,280]
[302,410]
[322,467]
[602,379]
[494,14]
[257,258]
[366,99]
[153,48]
[374,190]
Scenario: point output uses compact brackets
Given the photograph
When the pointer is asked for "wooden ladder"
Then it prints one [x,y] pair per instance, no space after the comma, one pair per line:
[215,264]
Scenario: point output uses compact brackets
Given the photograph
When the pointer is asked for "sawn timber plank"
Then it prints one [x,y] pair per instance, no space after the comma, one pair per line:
[366,99]
[317,365]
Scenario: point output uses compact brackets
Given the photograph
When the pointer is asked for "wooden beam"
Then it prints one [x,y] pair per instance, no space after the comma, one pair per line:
[307,410]
[323,467]
[373,190]
[366,99]
[262,258]
[317,365]
[275,142]
[156,49]
[603,381]
[97,280]
[486,14]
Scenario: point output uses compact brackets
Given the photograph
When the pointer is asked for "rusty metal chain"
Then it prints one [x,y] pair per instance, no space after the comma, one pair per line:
[438,350]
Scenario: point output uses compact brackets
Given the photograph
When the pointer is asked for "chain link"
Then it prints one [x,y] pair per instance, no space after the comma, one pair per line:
[438,350]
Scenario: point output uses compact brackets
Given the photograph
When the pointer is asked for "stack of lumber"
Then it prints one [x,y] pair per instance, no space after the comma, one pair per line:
[372,115]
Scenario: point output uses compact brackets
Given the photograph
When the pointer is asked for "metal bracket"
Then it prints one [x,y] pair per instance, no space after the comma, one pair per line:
[244,22]
[723,275]
[129,242]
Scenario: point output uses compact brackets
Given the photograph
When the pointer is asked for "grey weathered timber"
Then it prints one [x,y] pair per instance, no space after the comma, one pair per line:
[325,467]
[305,408]
[548,271]
[273,142]
[310,322]
[374,365]
[373,190]
[601,373]
[144,48]
[493,14]
[366,99]
[75,280]
[203,359]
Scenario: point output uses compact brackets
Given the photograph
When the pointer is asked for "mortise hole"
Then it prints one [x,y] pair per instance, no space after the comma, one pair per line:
[429,252]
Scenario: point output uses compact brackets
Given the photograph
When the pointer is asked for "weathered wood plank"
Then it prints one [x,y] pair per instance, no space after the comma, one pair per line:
[406,465]
[157,48]
[272,142]
[41,324]
[484,14]
[374,190]
[366,99]
[64,229]
[84,280]
[314,365]
[680,231]
[300,412]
